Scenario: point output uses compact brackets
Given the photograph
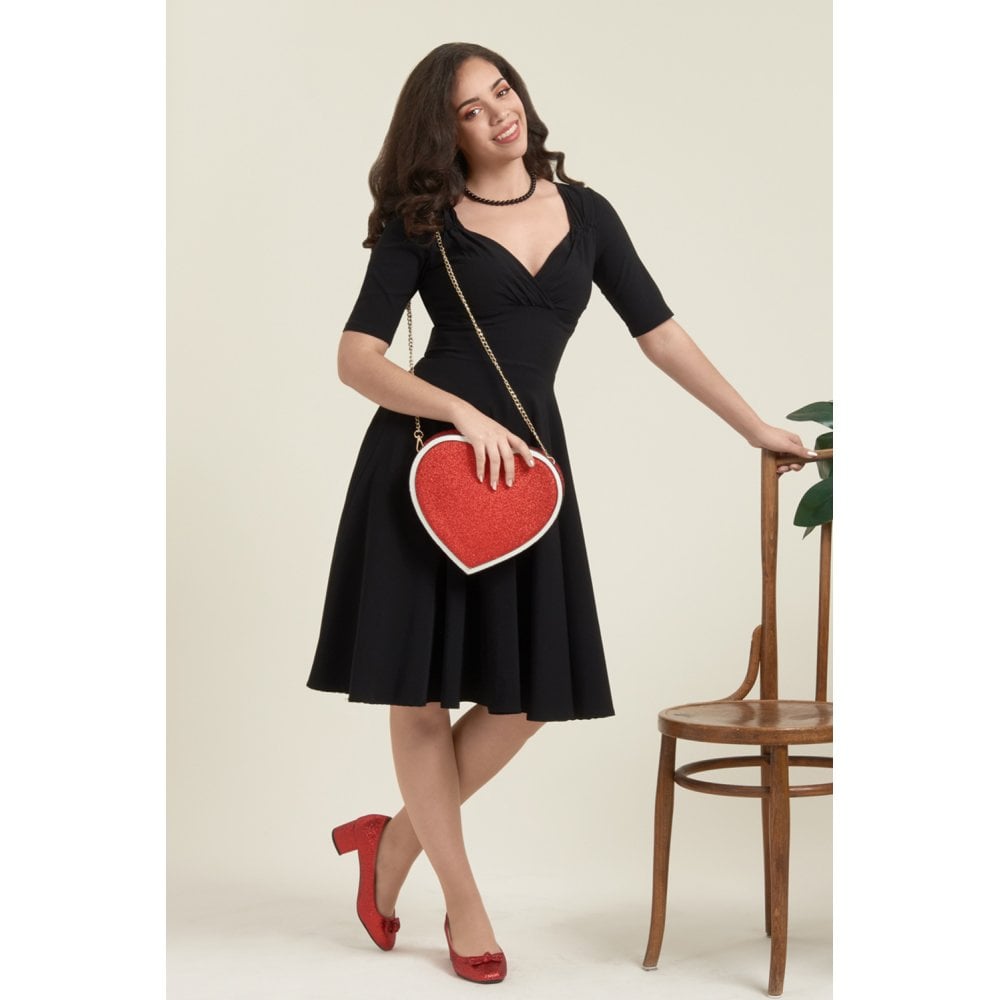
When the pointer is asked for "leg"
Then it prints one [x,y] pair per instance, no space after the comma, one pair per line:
[766,831]
[428,772]
[778,809]
[662,825]
[483,745]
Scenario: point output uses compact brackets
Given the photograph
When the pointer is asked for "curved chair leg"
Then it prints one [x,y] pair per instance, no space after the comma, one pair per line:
[778,815]
[663,823]
[766,832]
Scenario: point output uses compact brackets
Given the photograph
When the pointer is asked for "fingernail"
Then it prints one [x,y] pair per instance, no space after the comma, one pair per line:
[510,482]
[493,486]
[480,478]
[812,454]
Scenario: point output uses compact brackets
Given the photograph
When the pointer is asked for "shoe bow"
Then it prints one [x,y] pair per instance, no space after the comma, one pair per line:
[390,924]
[486,958]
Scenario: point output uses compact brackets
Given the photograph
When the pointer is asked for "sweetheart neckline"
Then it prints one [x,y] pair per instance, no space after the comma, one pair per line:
[509,252]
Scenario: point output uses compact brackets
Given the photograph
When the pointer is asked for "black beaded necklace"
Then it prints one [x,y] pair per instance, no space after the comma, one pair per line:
[508,201]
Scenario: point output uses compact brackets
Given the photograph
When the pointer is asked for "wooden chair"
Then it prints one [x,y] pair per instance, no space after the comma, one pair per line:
[770,723]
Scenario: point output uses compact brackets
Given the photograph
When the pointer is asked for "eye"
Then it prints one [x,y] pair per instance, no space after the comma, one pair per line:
[471,113]
[503,91]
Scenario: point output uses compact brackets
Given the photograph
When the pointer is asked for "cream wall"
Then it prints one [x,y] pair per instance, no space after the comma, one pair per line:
[708,125]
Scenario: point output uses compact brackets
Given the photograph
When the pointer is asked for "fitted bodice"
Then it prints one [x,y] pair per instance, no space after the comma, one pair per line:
[527,319]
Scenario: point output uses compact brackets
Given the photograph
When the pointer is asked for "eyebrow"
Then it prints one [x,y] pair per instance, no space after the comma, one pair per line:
[472,100]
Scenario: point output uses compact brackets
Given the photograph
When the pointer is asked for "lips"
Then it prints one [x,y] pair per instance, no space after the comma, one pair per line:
[509,134]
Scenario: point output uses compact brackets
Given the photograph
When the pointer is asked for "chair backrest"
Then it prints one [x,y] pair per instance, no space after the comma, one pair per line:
[769,565]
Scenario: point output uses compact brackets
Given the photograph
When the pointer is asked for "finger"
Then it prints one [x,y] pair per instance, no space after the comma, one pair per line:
[522,449]
[480,452]
[494,455]
[508,463]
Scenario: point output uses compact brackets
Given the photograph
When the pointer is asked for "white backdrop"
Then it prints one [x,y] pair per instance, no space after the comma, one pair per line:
[708,126]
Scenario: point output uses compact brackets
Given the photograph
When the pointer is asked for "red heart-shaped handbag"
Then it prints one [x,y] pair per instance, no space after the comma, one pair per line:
[476,526]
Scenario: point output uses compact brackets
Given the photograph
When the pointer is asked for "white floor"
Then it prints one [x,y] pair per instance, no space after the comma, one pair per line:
[583,940]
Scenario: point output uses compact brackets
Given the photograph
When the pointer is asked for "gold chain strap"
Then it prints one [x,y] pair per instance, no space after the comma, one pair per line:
[487,348]
[418,433]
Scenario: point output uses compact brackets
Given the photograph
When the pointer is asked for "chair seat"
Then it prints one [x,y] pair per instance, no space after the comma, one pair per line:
[757,723]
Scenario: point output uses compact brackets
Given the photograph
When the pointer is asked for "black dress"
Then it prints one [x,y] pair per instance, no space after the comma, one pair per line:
[402,624]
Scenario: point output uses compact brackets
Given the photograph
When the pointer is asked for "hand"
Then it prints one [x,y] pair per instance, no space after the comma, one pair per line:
[783,442]
[492,441]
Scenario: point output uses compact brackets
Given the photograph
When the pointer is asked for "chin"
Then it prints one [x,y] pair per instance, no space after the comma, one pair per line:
[517,150]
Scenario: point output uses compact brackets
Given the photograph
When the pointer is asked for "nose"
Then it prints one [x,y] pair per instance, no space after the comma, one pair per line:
[498,114]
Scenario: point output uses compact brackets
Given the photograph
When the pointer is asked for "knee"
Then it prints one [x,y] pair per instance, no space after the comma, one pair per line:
[421,721]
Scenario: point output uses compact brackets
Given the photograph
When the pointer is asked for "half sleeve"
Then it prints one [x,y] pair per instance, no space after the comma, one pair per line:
[392,279]
[621,275]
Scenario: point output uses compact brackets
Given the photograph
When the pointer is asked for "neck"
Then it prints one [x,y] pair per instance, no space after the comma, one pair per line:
[499,183]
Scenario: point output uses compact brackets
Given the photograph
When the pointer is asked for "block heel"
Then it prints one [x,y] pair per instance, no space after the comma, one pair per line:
[345,839]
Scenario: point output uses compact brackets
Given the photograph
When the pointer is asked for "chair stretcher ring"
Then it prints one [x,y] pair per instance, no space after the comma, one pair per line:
[682,776]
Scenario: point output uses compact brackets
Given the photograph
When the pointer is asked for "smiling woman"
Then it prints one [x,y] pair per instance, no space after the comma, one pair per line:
[465,160]
[422,167]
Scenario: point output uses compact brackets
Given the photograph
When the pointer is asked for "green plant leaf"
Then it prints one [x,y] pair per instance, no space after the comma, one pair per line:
[816,505]
[825,440]
[821,412]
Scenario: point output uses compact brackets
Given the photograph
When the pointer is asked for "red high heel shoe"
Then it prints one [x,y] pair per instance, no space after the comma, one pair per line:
[363,835]
[490,967]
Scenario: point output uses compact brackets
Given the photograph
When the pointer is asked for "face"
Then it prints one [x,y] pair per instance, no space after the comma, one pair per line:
[492,126]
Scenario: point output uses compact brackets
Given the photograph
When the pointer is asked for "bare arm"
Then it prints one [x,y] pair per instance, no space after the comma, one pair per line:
[362,365]
[670,348]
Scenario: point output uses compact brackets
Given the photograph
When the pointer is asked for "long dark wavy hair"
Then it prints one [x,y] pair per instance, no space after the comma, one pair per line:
[420,171]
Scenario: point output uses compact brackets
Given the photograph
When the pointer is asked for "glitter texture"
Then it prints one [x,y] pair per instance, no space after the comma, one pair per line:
[475,525]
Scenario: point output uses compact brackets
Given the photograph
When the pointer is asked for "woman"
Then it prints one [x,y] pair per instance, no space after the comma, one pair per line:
[465,154]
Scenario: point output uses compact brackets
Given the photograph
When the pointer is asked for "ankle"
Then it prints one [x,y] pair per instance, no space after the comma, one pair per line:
[394,850]
[465,908]
[400,842]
